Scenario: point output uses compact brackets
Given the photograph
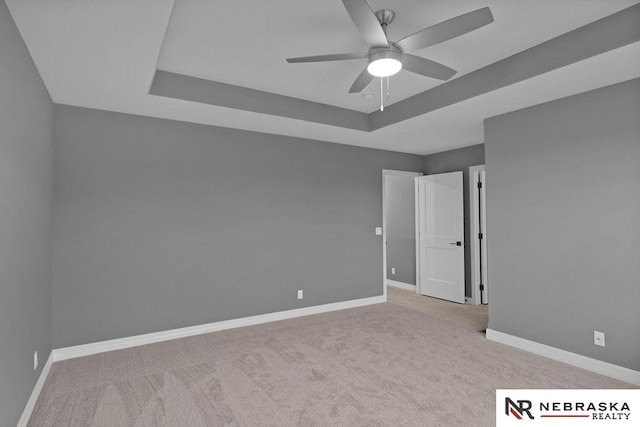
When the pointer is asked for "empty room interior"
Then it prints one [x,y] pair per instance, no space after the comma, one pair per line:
[339,213]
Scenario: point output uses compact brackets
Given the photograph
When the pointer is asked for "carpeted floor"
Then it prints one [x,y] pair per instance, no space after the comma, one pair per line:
[381,365]
[473,318]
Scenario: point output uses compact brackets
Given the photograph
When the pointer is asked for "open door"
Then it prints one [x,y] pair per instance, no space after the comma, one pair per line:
[440,236]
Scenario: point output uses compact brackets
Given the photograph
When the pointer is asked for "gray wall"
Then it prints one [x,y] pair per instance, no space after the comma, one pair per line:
[161,224]
[25,217]
[459,160]
[400,228]
[563,201]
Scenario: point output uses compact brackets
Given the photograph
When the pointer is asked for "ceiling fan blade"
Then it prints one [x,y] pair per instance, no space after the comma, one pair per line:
[334,57]
[361,82]
[426,67]
[446,30]
[362,15]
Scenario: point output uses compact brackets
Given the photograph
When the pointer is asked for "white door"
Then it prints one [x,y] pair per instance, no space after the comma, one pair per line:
[440,263]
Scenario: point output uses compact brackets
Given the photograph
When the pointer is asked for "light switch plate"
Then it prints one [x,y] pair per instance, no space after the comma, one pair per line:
[378,231]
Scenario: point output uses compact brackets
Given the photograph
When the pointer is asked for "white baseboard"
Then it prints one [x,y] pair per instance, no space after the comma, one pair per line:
[594,365]
[401,285]
[31,403]
[120,343]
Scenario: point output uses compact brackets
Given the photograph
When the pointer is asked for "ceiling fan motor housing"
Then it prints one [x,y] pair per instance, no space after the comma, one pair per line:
[390,52]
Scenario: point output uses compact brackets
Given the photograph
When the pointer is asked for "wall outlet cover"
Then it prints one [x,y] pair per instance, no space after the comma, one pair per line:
[598,338]
[393,270]
[378,231]
[300,294]
[35,360]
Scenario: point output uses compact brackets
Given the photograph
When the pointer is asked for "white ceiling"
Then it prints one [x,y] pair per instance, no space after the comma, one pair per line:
[103,54]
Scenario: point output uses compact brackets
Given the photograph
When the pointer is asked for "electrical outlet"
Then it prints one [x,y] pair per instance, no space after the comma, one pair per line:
[598,338]
[299,293]
[35,360]
[393,270]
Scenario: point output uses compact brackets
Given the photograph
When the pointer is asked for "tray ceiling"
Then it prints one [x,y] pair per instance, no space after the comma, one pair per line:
[104,55]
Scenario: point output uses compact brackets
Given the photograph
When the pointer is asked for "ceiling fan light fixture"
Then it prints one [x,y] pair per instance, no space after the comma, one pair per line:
[384,63]
[384,67]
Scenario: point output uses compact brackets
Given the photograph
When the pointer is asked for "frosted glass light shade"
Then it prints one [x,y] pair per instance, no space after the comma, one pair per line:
[384,67]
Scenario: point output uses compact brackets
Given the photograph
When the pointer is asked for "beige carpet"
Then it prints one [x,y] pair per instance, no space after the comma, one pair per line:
[380,365]
[473,318]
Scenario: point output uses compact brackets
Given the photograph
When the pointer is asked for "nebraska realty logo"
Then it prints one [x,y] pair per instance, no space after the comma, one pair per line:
[567,407]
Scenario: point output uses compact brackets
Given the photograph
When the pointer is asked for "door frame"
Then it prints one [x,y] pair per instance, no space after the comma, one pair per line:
[416,198]
[385,173]
[478,211]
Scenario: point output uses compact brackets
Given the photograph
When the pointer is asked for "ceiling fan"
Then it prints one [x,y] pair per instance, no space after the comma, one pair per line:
[385,57]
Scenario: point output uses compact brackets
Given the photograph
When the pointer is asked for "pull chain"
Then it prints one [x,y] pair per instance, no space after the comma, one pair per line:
[382,97]
[381,94]
[388,90]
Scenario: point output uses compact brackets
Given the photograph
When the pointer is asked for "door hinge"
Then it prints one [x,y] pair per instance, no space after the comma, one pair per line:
[479,184]
[481,287]
[480,236]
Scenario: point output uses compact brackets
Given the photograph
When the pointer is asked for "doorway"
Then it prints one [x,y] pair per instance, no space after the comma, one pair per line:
[398,234]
